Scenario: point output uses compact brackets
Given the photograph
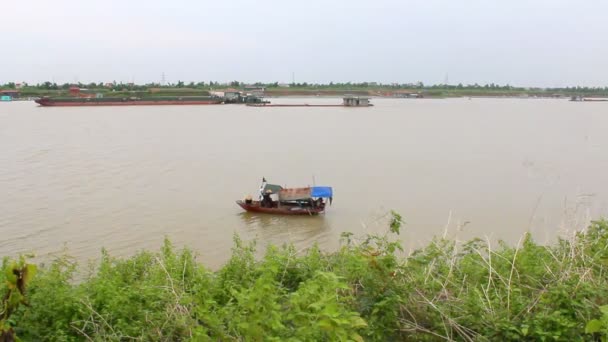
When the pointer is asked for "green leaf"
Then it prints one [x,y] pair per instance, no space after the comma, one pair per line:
[10,276]
[14,299]
[395,224]
[593,326]
[356,337]
[604,310]
[315,306]
[30,271]
[325,324]
[358,322]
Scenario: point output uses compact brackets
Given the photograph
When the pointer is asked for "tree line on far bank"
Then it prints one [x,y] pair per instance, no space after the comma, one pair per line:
[418,86]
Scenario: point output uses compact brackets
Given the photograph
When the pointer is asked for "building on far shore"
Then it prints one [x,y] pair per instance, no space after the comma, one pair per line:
[257,91]
[9,94]
[407,94]
[229,94]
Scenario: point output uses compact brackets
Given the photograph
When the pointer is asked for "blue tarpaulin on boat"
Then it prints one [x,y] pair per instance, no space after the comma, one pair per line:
[321,191]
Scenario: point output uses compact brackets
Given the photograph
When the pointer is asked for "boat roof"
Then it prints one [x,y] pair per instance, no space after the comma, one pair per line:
[295,194]
[349,96]
[273,187]
[322,191]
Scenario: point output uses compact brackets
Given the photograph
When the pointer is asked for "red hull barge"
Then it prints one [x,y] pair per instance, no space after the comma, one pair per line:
[256,207]
[47,102]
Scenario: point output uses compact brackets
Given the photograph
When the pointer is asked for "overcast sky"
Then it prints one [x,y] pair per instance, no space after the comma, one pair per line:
[519,42]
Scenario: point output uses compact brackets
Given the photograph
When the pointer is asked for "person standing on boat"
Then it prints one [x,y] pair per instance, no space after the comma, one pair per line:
[267,200]
[262,188]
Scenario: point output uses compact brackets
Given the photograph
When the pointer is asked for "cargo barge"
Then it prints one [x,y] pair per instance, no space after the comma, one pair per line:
[349,101]
[293,105]
[588,99]
[130,101]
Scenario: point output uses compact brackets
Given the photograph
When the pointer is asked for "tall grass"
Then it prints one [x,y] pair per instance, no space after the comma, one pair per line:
[366,290]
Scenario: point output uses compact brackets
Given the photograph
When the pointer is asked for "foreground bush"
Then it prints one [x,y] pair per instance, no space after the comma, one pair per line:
[363,291]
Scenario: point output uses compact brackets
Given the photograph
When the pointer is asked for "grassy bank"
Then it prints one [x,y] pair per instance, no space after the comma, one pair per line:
[305,89]
[363,291]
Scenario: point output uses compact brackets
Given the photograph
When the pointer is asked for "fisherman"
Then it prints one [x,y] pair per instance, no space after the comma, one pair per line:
[267,200]
[262,188]
[248,199]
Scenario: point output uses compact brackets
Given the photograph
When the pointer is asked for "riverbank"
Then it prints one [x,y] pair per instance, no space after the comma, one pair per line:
[366,290]
[324,90]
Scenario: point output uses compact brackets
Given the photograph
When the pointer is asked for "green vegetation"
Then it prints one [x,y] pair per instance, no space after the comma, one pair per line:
[364,291]
[276,89]
[16,278]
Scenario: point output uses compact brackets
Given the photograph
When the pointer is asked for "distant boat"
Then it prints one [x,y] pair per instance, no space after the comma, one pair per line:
[588,99]
[277,200]
[348,101]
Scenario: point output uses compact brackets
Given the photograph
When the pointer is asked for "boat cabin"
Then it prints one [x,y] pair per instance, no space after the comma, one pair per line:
[356,101]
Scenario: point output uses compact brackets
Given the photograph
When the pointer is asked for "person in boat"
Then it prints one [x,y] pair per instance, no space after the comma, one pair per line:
[267,200]
[248,199]
[319,203]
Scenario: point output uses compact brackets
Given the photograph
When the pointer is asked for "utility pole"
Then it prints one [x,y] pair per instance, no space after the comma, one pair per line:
[162,79]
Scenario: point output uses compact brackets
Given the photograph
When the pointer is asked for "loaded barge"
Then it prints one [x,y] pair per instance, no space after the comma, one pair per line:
[588,99]
[349,101]
[78,99]
[130,101]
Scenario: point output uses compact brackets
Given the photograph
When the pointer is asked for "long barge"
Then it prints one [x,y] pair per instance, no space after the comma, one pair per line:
[348,101]
[293,105]
[130,101]
[588,99]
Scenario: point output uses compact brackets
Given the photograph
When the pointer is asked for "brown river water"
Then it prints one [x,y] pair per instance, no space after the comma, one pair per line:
[124,178]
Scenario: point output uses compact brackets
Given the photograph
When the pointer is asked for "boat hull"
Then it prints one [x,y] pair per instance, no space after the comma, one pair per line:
[303,105]
[53,103]
[257,208]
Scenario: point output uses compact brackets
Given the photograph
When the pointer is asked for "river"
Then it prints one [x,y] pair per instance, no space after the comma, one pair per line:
[79,179]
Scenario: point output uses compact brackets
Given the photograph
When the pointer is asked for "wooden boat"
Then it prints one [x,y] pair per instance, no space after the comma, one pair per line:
[274,199]
[256,207]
